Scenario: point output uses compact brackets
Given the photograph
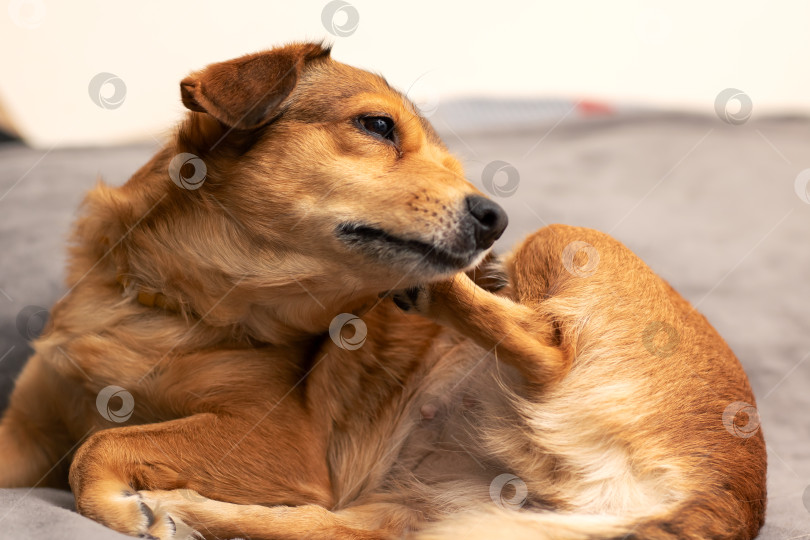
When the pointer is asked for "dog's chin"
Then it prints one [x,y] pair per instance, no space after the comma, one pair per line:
[422,259]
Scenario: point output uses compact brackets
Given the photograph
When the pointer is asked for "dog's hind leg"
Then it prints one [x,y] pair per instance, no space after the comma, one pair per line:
[518,334]
[521,328]
[34,445]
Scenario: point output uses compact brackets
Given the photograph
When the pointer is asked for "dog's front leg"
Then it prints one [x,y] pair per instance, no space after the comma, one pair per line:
[518,334]
[215,520]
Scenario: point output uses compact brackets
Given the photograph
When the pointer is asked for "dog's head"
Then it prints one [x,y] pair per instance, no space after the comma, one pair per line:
[300,184]
[339,167]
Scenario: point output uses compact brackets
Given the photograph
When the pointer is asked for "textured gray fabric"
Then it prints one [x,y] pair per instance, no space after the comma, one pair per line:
[47,514]
[711,207]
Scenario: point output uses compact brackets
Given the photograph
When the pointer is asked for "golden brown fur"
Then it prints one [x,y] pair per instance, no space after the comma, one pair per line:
[251,421]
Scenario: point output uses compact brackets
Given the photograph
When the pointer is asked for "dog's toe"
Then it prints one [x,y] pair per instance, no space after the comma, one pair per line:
[156,524]
[163,527]
[168,508]
[413,299]
[143,518]
[121,509]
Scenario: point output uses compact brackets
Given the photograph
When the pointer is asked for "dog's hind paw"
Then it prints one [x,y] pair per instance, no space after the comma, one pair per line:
[413,299]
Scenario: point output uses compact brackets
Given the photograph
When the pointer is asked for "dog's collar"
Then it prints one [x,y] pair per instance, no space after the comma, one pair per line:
[150,299]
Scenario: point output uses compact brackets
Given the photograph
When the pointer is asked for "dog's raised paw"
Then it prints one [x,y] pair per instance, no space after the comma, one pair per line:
[412,299]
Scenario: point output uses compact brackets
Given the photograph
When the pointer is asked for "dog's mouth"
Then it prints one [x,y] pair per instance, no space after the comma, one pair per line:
[391,248]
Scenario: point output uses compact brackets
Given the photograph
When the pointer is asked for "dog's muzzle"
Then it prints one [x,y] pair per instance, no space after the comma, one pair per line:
[481,223]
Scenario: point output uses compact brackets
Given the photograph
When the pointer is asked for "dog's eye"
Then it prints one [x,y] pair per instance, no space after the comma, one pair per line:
[381,126]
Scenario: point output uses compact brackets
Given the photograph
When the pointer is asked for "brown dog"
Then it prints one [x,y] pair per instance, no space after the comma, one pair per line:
[585,399]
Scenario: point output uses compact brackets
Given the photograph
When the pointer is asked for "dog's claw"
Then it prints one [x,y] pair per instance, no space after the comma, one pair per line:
[150,516]
[401,303]
[411,299]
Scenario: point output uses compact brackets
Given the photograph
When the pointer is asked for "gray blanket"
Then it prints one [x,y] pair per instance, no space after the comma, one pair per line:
[711,207]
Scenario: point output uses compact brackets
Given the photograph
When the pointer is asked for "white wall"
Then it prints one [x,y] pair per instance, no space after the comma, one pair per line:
[667,54]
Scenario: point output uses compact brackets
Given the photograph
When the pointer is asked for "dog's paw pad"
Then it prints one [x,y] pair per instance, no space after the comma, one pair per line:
[413,299]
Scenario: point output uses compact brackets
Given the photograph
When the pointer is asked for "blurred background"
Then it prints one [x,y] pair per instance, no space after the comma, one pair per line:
[682,129]
[628,52]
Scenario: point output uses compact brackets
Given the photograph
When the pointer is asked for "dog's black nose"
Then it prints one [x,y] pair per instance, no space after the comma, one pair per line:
[489,220]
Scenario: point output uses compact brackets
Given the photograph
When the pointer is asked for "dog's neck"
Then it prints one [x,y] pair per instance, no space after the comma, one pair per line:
[275,324]
[294,315]
[126,240]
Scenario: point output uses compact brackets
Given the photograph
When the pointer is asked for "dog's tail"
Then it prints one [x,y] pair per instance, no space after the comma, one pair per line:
[687,520]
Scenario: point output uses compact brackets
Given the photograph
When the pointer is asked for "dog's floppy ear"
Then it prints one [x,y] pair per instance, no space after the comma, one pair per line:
[244,93]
